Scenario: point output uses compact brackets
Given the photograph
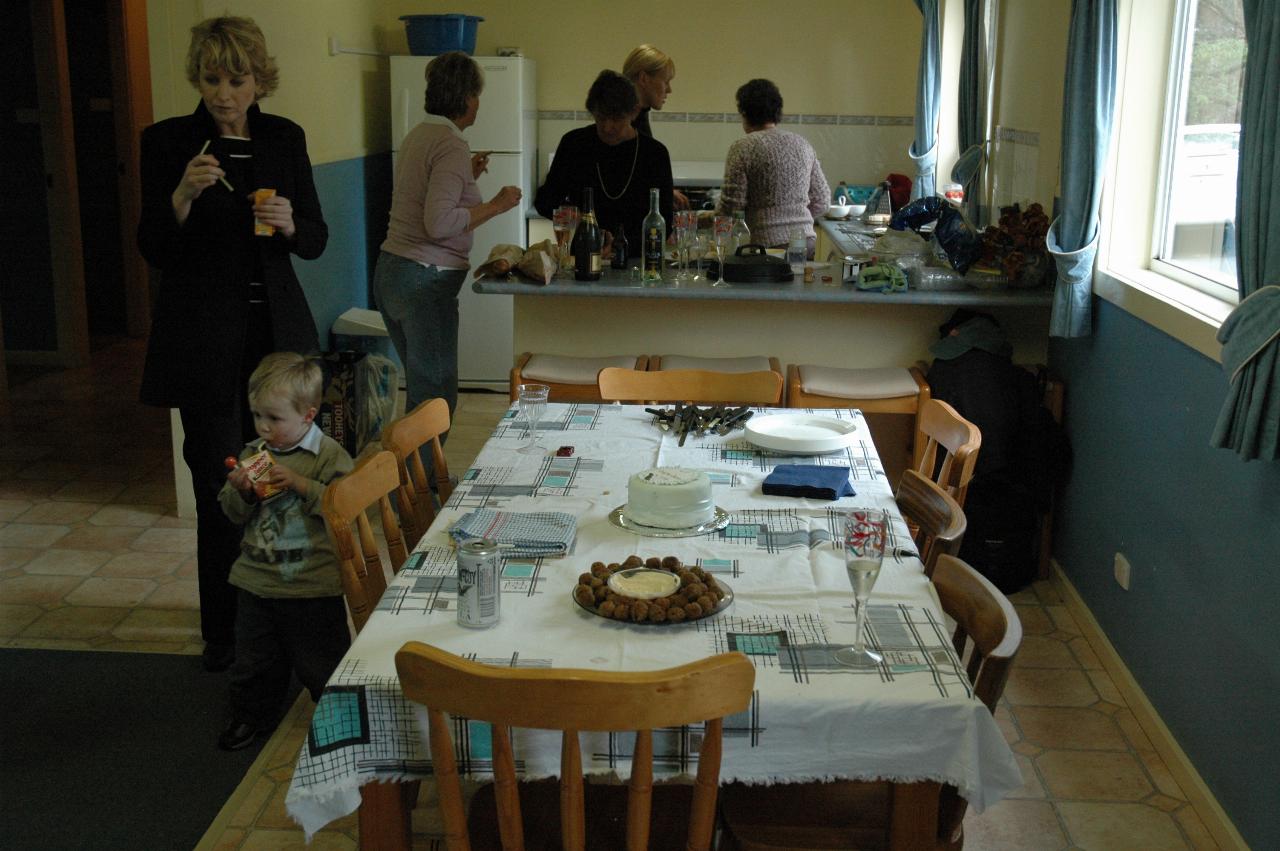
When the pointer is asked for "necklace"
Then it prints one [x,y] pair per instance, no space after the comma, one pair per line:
[634,156]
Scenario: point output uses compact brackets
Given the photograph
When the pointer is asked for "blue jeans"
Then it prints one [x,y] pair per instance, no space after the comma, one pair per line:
[420,307]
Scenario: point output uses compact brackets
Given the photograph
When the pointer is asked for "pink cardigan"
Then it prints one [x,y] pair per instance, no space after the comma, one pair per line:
[434,188]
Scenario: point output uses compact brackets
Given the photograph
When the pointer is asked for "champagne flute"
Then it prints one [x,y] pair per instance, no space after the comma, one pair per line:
[864,532]
[698,250]
[683,236]
[533,401]
[721,227]
[561,222]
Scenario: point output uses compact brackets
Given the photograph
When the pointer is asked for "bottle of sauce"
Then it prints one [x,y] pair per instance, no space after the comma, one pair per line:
[655,239]
[619,247]
[587,241]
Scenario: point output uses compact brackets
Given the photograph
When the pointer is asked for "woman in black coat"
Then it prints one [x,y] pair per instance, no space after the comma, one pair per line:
[227,297]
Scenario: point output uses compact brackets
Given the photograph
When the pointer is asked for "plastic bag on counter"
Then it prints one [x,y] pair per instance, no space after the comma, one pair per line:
[961,242]
[918,213]
[893,243]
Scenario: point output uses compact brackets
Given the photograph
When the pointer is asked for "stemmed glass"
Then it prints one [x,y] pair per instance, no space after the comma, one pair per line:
[864,531]
[686,221]
[721,227]
[533,401]
[698,250]
[564,222]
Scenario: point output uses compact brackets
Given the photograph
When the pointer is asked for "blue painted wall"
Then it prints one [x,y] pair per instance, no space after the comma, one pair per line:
[1198,628]
[355,196]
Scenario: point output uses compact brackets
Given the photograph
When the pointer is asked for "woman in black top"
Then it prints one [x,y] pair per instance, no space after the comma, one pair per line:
[226,297]
[620,164]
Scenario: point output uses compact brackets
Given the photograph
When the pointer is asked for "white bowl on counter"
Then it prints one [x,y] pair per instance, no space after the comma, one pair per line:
[839,211]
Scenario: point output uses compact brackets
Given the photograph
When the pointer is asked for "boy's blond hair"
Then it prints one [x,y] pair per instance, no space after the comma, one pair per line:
[295,377]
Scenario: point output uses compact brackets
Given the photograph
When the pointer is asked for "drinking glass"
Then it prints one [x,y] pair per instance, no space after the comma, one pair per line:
[720,236]
[564,222]
[864,532]
[698,250]
[685,222]
[533,401]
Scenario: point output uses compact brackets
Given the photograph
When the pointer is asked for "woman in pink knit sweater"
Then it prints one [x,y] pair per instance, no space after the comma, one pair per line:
[774,175]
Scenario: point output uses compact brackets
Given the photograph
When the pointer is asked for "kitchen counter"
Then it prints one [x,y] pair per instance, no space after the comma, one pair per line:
[618,284]
[829,323]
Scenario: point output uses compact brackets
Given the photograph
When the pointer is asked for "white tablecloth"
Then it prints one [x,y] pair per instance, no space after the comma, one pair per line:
[912,718]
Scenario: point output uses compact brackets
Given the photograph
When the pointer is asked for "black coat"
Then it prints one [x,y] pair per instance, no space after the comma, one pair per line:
[205,265]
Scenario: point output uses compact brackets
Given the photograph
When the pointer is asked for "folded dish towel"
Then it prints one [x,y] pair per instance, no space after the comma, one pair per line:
[808,480]
[536,533]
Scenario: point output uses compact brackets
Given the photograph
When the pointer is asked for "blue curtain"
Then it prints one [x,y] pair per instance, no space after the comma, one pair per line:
[970,118]
[924,148]
[1250,420]
[1087,105]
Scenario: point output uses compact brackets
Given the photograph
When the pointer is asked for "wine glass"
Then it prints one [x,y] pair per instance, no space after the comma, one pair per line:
[720,236]
[698,250]
[685,223]
[533,401]
[564,222]
[864,533]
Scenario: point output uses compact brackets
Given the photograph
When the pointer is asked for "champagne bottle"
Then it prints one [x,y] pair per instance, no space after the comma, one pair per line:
[739,234]
[587,241]
[655,239]
[619,247]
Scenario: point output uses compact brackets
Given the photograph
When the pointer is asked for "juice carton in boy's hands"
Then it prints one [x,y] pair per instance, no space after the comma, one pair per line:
[257,467]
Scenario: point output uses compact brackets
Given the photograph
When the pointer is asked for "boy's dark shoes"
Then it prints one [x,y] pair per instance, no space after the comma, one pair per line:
[218,657]
[237,735]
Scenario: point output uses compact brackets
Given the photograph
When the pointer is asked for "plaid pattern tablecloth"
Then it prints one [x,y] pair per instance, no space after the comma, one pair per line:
[912,717]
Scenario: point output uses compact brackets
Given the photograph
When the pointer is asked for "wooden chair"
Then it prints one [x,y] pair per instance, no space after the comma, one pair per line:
[404,438]
[691,385]
[753,363]
[571,700]
[853,814]
[346,502]
[958,440]
[571,379]
[889,397]
[937,521]
[987,626]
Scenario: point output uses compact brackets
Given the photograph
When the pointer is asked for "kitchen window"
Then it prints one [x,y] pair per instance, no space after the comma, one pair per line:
[1194,239]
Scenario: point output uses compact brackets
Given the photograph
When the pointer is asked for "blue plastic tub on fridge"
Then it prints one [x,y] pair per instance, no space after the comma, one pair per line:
[431,35]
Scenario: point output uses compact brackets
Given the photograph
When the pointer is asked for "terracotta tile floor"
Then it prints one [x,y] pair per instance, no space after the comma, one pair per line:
[92,556]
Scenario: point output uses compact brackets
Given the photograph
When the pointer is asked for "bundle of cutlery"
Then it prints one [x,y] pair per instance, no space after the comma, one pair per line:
[683,419]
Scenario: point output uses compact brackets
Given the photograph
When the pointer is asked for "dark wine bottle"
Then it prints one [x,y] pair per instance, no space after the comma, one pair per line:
[587,241]
[619,247]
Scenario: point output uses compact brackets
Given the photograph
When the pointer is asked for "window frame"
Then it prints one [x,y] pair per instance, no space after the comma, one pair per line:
[1125,273]
[1175,106]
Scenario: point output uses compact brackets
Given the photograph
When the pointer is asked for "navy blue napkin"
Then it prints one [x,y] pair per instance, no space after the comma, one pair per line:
[808,480]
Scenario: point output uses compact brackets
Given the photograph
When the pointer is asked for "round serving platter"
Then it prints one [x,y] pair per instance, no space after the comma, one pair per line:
[724,604]
[801,434]
[618,517]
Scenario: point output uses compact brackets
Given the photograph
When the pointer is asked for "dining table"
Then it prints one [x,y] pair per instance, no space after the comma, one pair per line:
[912,717]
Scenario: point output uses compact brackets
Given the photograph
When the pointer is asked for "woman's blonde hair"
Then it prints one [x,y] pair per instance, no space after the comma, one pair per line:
[233,45]
[296,377]
[648,59]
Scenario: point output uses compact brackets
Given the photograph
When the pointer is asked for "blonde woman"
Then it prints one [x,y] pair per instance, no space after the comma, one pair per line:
[651,72]
[227,296]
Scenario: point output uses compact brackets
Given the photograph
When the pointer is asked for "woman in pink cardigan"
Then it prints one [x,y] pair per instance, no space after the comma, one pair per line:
[435,206]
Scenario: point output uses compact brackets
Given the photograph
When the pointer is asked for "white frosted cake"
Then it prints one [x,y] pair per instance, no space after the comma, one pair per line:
[670,498]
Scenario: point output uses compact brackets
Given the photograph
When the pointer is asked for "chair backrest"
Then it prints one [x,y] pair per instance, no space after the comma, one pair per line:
[959,440]
[690,385]
[988,621]
[345,503]
[571,700]
[404,438]
[937,521]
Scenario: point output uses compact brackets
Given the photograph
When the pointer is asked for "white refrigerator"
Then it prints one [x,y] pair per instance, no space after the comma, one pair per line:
[507,125]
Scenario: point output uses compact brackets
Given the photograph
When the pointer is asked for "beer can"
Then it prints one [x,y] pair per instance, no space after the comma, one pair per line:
[479,597]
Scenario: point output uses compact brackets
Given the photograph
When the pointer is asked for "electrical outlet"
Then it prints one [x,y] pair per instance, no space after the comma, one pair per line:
[1122,571]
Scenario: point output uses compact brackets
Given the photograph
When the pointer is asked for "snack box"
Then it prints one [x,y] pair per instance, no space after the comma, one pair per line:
[257,466]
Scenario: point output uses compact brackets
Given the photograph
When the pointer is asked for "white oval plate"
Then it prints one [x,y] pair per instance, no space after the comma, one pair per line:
[801,433]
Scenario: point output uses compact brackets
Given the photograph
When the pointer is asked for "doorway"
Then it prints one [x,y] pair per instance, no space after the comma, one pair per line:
[70,119]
